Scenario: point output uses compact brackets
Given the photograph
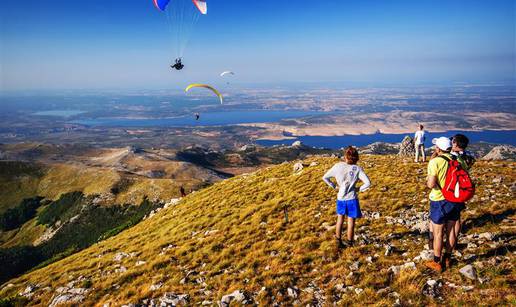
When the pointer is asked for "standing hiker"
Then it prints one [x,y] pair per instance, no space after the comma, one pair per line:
[419,143]
[443,214]
[466,160]
[347,175]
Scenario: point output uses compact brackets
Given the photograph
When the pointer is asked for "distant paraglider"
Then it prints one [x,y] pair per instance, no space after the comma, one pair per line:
[227,73]
[178,65]
[196,85]
[181,19]
[197,116]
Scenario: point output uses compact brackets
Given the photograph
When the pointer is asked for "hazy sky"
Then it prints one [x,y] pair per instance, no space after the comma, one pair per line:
[125,44]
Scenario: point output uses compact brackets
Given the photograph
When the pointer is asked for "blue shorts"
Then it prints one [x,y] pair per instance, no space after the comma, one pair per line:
[351,208]
[443,211]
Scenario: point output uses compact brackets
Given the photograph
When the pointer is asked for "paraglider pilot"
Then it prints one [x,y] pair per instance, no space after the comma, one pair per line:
[197,115]
[178,65]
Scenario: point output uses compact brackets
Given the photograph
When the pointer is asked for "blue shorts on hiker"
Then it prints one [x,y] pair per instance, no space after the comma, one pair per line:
[351,208]
[443,211]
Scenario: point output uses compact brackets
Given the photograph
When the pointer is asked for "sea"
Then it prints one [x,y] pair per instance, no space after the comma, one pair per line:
[270,116]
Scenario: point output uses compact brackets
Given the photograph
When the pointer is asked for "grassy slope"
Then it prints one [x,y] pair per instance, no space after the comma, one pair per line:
[254,248]
[18,180]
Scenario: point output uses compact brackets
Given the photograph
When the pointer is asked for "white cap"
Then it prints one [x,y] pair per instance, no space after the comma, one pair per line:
[443,143]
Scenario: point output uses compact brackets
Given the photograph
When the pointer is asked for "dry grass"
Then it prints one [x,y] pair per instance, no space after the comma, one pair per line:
[250,245]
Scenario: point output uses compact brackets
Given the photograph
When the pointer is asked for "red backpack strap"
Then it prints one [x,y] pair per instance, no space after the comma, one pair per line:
[445,158]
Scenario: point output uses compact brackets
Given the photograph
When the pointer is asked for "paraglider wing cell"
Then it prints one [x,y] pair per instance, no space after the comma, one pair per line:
[202,6]
[221,98]
[161,4]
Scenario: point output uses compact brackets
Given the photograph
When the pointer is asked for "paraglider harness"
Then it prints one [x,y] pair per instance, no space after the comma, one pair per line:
[178,65]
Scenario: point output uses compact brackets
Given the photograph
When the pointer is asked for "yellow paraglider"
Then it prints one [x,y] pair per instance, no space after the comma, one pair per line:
[207,87]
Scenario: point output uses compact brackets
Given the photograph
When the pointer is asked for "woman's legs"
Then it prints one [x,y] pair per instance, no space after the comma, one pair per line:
[351,229]
[338,228]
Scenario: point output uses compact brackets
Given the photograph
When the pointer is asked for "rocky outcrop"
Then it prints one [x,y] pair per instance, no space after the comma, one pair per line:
[380,148]
[502,152]
[239,297]
[406,148]
[297,144]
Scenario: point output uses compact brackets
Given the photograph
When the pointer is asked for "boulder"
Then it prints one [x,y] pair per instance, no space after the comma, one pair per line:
[469,271]
[407,147]
[298,167]
[172,299]
[67,298]
[293,292]
[238,296]
[432,288]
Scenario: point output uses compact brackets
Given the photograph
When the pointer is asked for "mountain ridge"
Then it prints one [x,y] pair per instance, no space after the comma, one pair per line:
[268,234]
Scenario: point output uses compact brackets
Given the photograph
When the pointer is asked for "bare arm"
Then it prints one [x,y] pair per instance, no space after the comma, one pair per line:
[431,182]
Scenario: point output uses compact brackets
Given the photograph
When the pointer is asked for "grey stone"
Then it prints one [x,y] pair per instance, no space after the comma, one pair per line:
[238,296]
[172,299]
[469,272]
[298,167]
[354,266]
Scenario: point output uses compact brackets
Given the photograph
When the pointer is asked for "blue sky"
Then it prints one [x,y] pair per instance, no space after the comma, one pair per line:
[58,44]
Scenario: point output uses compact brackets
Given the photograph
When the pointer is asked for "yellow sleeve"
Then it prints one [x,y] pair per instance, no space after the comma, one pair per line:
[432,167]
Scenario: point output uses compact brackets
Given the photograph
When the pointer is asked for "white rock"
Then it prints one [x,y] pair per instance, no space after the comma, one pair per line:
[298,167]
[156,286]
[119,256]
[237,296]
[359,290]
[469,272]
[296,144]
[486,235]
[68,299]
[140,262]
[172,299]
[354,266]
[293,292]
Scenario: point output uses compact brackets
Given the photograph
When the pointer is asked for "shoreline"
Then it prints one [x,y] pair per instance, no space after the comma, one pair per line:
[294,137]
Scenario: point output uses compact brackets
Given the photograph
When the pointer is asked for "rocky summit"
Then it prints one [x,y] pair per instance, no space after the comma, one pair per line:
[266,238]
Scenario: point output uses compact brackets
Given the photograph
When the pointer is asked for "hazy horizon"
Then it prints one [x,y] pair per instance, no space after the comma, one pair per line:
[99,45]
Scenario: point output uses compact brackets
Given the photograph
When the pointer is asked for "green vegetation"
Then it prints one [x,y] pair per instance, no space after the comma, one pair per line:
[17,216]
[64,208]
[15,301]
[234,234]
[83,224]
[18,180]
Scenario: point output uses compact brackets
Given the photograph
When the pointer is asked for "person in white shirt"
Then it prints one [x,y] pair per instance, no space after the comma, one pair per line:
[419,143]
[347,175]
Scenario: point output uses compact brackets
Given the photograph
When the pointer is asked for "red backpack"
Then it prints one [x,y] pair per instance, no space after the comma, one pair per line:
[458,186]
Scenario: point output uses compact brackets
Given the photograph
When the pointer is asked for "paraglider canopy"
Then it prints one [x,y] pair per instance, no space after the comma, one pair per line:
[221,98]
[161,4]
[228,72]
[201,5]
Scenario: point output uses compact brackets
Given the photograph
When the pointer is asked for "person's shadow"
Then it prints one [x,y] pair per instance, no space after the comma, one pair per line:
[485,219]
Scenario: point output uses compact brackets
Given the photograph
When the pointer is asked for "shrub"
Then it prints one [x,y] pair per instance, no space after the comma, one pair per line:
[15,217]
[66,206]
